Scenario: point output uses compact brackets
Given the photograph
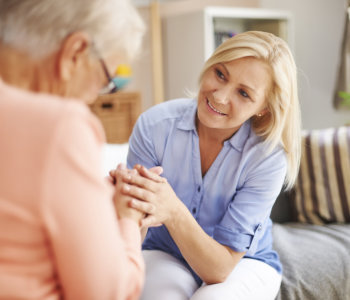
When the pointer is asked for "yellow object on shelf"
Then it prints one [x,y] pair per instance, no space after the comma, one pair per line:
[122,76]
[123,70]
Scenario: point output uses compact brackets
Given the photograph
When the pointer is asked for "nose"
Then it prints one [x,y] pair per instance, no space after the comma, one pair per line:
[222,95]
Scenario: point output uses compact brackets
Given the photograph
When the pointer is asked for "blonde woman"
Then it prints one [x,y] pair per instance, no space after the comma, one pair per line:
[226,156]
[61,236]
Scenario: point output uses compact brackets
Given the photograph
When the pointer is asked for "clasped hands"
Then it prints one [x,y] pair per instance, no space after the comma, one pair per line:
[143,195]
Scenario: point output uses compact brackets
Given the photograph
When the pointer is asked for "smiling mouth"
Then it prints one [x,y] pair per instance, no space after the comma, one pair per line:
[214,109]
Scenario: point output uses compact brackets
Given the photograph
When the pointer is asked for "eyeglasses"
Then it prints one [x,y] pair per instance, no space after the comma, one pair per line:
[111,87]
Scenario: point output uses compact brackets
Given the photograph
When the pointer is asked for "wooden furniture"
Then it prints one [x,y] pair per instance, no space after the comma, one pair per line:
[147,77]
[118,113]
[157,57]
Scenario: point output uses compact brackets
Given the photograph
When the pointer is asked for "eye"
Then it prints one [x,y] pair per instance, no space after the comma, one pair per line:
[243,93]
[219,74]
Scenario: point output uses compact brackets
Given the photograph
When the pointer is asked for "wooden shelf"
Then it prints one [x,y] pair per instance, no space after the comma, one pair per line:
[118,113]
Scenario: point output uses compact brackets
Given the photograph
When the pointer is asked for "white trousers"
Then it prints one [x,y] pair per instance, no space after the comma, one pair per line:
[168,279]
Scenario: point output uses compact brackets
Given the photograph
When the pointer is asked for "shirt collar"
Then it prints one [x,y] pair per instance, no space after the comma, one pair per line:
[188,122]
[239,139]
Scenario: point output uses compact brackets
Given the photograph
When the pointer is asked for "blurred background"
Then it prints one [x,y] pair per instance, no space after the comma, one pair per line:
[182,34]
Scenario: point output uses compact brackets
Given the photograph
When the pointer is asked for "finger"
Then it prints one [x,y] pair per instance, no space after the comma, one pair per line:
[142,206]
[121,166]
[133,172]
[125,171]
[150,221]
[157,170]
[110,179]
[138,192]
[140,181]
[122,200]
[148,174]
[121,173]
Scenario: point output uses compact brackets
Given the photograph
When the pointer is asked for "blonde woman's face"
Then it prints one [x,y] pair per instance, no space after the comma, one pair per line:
[231,93]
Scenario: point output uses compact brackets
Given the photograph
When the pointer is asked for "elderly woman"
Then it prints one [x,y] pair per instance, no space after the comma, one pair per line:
[226,156]
[61,235]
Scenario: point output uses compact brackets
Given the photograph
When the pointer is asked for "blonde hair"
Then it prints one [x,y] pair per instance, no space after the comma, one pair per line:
[38,27]
[282,124]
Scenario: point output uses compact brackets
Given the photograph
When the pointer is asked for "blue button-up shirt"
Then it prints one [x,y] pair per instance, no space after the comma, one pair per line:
[233,201]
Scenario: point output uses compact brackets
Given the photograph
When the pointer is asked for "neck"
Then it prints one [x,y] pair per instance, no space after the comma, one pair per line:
[20,70]
[215,135]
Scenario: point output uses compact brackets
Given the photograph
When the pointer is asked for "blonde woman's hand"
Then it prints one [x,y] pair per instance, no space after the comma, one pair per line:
[151,195]
[112,173]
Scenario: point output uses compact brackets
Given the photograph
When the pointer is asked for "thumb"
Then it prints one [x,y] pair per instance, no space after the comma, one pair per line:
[157,170]
[121,166]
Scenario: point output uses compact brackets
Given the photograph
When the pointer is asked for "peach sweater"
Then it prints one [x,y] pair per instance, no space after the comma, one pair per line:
[59,235]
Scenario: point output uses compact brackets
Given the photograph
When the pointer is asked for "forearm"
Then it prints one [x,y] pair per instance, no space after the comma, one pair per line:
[212,261]
[134,264]
[143,231]
[97,260]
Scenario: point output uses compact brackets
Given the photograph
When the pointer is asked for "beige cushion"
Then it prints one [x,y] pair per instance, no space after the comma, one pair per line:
[322,192]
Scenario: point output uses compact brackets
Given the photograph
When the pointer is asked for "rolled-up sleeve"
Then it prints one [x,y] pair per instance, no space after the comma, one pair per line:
[247,215]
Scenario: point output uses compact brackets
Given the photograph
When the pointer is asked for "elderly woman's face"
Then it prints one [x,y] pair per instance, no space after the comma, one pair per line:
[80,71]
[231,93]
[89,79]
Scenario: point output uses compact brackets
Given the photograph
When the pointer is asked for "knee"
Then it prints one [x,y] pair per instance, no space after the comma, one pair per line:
[208,292]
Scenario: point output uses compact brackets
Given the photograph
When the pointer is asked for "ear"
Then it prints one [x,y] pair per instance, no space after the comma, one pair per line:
[263,112]
[74,50]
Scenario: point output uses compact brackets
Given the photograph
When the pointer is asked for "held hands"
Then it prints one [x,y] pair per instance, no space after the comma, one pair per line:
[120,199]
[148,194]
[112,178]
[151,195]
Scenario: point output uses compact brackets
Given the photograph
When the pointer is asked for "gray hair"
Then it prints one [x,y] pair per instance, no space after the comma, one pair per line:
[38,27]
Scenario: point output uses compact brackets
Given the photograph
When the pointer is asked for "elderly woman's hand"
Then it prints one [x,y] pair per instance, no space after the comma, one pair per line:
[122,200]
[112,173]
[152,195]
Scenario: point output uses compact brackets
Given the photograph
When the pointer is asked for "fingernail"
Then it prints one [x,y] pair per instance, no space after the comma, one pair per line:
[121,166]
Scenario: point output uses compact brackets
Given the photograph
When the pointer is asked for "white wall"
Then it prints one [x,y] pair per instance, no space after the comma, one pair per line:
[142,67]
[318,36]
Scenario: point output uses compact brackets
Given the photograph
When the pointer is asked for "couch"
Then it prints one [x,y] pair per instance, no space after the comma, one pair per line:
[311,223]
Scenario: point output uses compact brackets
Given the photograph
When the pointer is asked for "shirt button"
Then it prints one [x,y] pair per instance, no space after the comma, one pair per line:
[199,188]
[194,210]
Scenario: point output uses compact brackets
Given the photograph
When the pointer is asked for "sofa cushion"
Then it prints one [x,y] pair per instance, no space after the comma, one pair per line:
[322,192]
[315,261]
[283,210]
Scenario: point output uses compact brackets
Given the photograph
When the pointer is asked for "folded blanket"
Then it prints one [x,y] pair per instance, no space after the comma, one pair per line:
[315,259]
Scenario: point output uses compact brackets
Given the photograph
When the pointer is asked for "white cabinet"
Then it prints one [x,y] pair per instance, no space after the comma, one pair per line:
[189,39]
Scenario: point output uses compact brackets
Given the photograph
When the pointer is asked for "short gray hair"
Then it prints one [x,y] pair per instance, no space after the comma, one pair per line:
[38,27]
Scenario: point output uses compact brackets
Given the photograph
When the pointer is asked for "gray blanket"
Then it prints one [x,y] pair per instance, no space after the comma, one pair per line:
[315,259]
